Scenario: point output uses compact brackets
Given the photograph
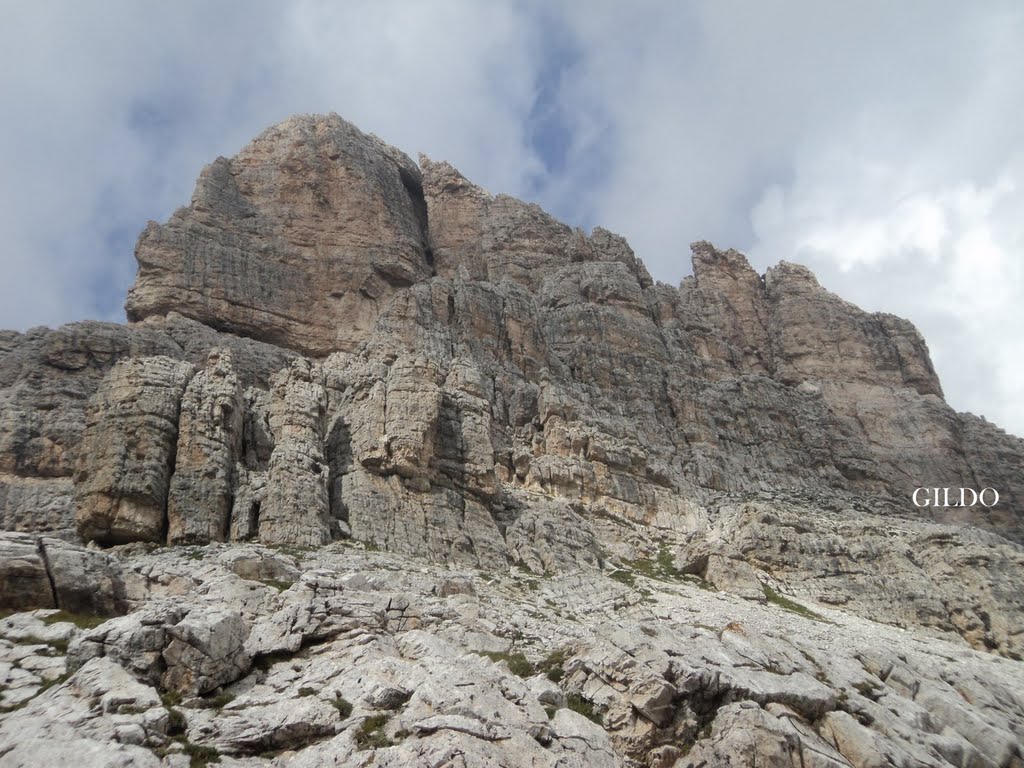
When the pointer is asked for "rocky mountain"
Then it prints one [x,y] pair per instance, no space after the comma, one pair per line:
[386,469]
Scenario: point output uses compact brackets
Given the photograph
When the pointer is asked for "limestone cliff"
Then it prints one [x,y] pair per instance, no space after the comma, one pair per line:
[334,346]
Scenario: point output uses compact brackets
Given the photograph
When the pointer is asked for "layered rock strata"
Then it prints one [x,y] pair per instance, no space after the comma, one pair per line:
[333,344]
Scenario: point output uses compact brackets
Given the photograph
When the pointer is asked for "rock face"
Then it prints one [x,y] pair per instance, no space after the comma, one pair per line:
[295,508]
[128,450]
[688,507]
[281,246]
[209,445]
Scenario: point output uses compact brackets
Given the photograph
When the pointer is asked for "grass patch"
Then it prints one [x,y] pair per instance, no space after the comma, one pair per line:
[625,577]
[170,698]
[698,582]
[60,646]
[342,705]
[199,756]
[304,692]
[277,584]
[80,620]
[370,734]
[48,684]
[518,664]
[790,605]
[219,701]
[583,706]
[661,568]
[553,665]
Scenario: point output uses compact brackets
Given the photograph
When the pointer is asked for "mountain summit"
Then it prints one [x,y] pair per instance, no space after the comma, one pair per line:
[388,420]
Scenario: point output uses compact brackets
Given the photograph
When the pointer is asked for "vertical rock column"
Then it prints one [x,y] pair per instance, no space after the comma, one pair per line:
[209,444]
[127,452]
[295,509]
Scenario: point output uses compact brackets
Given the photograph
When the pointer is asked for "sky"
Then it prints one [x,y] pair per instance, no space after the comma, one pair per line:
[878,143]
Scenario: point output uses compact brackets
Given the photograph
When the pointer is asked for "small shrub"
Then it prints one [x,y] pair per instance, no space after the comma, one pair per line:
[342,705]
[790,605]
[303,692]
[200,756]
[370,734]
[518,664]
[219,701]
[553,666]
[170,698]
[577,703]
[176,722]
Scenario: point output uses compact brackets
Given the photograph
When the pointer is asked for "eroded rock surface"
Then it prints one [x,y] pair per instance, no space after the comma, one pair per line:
[128,449]
[683,505]
[363,655]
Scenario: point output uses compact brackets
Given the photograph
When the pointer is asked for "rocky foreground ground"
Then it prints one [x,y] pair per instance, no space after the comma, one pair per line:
[249,655]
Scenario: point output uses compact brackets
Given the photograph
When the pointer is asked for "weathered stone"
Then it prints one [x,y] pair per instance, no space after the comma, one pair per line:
[295,508]
[206,649]
[43,572]
[296,241]
[24,580]
[462,381]
[128,449]
[734,576]
[209,445]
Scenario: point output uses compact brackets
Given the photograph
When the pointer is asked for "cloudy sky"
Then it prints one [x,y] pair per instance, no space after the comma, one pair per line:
[879,143]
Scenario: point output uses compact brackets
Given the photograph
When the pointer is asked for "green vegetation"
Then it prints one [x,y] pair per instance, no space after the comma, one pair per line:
[662,568]
[517,663]
[303,692]
[170,698]
[625,577]
[219,701]
[57,646]
[341,704]
[176,722]
[790,605]
[80,620]
[697,581]
[200,756]
[277,584]
[554,665]
[370,734]
[577,703]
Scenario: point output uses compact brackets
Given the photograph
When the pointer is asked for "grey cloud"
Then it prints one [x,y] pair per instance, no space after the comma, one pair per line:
[792,130]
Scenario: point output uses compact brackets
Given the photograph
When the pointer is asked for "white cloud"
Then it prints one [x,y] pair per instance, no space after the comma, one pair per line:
[878,143]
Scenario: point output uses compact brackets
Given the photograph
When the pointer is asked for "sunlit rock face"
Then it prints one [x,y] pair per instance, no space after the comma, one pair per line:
[368,421]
